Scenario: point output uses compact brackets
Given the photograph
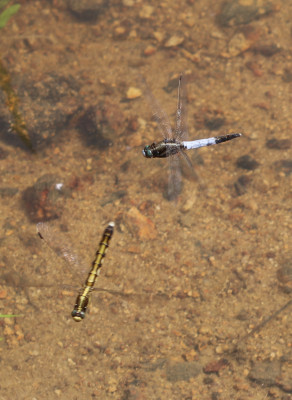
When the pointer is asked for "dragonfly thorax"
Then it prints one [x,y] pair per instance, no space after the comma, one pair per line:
[165,148]
[80,307]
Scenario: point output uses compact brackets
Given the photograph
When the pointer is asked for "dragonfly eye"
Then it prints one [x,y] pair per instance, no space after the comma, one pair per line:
[78,315]
[147,152]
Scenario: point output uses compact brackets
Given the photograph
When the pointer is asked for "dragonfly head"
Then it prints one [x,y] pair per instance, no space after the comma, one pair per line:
[78,315]
[147,152]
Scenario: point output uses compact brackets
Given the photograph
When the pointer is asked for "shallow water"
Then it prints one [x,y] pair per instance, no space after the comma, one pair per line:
[189,293]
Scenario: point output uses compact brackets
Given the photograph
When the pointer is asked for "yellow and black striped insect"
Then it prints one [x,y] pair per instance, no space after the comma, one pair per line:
[82,300]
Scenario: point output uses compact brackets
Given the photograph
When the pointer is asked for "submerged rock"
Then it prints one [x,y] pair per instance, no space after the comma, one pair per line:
[237,12]
[86,10]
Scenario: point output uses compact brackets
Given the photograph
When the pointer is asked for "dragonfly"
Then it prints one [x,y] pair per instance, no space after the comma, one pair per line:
[60,247]
[175,141]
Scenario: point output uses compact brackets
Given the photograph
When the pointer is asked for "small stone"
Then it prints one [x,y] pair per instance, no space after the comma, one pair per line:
[34,353]
[238,44]
[255,68]
[219,349]
[146,11]
[3,294]
[133,93]
[215,366]
[149,50]
[262,105]
[120,31]
[144,226]
[159,36]
[252,205]
[194,57]
[189,204]
[217,35]
[186,221]
[174,40]
[237,12]
[267,50]
[190,20]
[86,10]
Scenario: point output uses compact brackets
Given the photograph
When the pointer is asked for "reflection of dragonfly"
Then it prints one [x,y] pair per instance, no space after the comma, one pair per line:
[175,143]
[59,246]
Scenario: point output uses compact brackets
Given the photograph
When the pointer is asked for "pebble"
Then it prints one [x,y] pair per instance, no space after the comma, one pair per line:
[174,40]
[71,362]
[146,11]
[215,366]
[188,205]
[149,50]
[86,10]
[190,20]
[237,12]
[133,93]
[266,50]
[145,227]
[255,68]
[238,44]
[120,32]
[3,294]
[186,221]
[159,36]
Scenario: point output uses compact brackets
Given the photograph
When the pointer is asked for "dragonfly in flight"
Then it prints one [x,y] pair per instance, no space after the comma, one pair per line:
[175,142]
[60,247]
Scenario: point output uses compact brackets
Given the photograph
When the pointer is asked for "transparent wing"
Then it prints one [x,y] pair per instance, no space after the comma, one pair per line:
[159,114]
[187,159]
[174,180]
[181,129]
[62,248]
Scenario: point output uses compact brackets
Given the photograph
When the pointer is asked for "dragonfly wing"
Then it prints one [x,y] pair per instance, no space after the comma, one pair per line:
[181,129]
[191,169]
[159,114]
[187,159]
[61,247]
[174,180]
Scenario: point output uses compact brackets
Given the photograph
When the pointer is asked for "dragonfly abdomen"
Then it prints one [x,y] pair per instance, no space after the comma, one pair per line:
[196,144]
[83,298]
